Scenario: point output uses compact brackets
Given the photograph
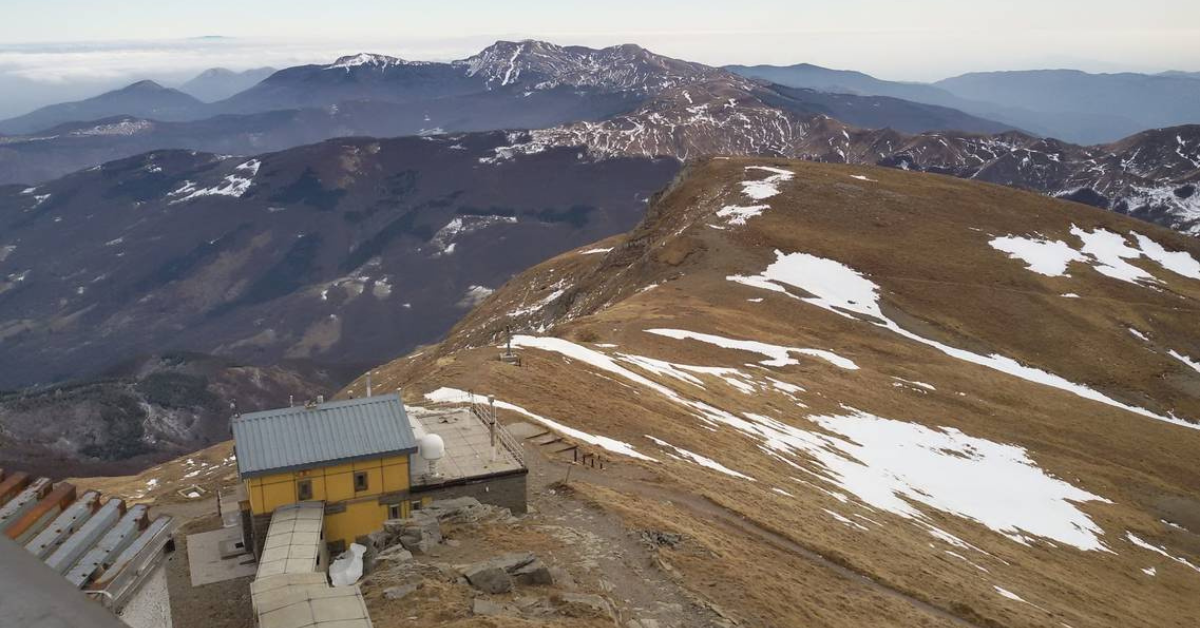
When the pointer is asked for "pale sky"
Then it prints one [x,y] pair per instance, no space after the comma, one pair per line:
[78,40]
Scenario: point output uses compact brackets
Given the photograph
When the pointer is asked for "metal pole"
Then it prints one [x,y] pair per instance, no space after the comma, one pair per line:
[492,426]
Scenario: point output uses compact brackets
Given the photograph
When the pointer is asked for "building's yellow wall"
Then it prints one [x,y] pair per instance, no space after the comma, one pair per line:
[334,485]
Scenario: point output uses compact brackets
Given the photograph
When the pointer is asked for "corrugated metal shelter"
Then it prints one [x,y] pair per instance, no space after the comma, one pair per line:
[294,540]
[291,589]
[103,550]
[291,439]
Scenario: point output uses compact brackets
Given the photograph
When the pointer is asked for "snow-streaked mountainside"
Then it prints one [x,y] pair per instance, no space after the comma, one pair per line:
[842,355]
[542,65]
[1151,175]
[342,252]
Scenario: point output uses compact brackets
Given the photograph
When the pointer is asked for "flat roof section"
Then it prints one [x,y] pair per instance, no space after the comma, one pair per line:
[469,451]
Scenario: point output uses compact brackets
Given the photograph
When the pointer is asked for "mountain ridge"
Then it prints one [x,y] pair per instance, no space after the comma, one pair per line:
[817,348]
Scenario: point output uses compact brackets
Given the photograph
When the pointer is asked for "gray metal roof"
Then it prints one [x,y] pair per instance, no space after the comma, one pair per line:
[302,437]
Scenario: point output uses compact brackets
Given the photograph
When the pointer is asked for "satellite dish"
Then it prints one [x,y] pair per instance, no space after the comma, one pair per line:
[432,447]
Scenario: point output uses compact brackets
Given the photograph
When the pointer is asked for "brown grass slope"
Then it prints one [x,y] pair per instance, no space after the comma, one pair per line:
[924,240]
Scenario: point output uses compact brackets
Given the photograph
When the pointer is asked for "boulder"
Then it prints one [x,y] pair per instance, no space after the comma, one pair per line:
[514,561]
[378,540]
[418,533]
[502,571]
[533,572]
[489,578]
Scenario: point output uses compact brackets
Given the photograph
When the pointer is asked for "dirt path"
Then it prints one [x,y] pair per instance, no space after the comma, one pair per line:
[632,479]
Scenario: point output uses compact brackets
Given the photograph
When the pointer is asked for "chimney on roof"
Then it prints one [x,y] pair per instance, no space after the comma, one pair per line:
[368,384]
[320,398]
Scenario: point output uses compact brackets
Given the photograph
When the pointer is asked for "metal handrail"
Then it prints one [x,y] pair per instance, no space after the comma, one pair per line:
[488,417]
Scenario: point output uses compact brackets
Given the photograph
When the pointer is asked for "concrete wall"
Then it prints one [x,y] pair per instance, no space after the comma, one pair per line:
[507,491]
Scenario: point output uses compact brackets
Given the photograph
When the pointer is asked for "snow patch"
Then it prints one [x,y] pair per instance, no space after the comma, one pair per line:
[892,465]
[1045,257]
[475,295]
[775,354]
[1158,550]
[708,463]
[233,185]
[1185,359]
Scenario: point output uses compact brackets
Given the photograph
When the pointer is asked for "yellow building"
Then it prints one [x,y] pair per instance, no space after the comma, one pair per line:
[352,455]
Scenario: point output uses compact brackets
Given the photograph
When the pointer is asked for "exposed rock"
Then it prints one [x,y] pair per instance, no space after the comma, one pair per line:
[418,533]
[583,605]
[497,575]
[400,592]
[562,578]
[465,510]
[395,553]
[379,540]
[481,606]
[658,539]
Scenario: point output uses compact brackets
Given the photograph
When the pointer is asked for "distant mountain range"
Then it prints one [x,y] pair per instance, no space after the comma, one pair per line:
[510,85]
[1065,104]
[144,99]
[177,243]
[1152,175]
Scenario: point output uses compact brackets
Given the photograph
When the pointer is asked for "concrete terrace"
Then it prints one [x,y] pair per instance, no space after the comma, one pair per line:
[469,450]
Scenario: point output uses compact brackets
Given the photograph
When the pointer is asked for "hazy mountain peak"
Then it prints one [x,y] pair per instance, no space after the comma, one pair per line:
[543,65]
[365,59]
[144,86]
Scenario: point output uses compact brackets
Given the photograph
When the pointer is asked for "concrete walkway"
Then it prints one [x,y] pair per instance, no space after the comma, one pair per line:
[204,557]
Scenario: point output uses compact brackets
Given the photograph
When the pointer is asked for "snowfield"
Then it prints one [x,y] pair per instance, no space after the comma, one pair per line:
[846,292]
[885,464]
[1104,250]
